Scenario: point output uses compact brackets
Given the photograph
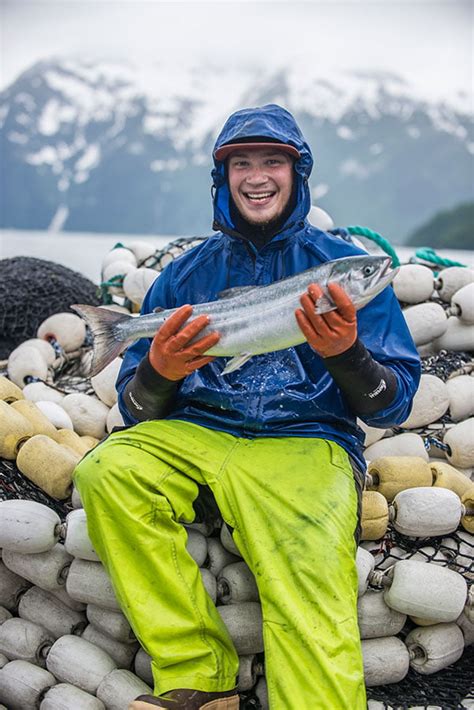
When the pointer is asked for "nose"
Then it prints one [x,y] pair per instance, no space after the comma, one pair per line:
[256,176]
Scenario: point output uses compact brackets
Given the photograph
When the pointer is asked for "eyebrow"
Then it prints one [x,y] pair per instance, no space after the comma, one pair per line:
[266,154]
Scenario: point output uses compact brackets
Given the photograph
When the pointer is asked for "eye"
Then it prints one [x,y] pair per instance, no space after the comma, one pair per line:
[368,270]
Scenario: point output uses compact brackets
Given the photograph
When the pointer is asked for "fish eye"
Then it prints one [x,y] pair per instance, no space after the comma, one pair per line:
[368,270]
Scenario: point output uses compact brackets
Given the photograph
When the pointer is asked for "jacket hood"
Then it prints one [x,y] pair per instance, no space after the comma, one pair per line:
[270,121]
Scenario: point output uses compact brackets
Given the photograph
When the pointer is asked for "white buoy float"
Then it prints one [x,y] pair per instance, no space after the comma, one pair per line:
[104,382]
[47,570]
[386,660]
[27,526]
[430,402]
[426,321]
[451,280]
[433,648]
[425,590]
[413,284]
[77,541]
[74,660]
[22,684]
[66,329]
[407,444]
[25,363]
[88,414]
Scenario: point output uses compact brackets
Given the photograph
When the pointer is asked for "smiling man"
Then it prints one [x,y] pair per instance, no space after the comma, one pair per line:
[260,182]
[273,447]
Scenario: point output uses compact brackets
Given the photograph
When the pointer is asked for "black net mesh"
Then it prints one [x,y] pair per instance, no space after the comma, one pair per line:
[446,689]
[447,364]
[14,485]
[455,551]
[32,290]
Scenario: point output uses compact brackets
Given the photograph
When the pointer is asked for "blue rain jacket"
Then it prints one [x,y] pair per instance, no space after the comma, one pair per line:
[288,392]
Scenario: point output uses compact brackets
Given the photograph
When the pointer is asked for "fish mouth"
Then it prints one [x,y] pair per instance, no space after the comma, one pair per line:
[387,273]
[389,269]
[386,267]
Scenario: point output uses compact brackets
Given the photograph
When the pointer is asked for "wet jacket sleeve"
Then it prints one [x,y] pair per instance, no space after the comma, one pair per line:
[380,374]
[142,392]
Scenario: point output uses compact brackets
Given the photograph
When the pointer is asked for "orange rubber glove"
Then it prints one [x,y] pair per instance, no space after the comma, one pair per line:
[330,333]
[170,353]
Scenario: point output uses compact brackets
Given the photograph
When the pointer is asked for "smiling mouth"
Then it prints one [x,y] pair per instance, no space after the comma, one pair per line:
[256,197]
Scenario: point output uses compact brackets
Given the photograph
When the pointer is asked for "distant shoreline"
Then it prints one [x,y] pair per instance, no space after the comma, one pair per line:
[84,251]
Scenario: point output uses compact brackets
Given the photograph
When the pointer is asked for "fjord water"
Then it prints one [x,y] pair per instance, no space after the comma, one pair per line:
[84,252]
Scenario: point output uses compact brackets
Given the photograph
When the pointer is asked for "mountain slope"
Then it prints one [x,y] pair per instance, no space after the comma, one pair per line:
[449,229]
[102,147]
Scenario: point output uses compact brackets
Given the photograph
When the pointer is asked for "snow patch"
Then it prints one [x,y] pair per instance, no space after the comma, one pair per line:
[136,148]
[16,137]
[376,149]
[59,219]
[23,119]
[345,133]
[63,183]
[27,100]
[319,190]
[3,113]
[354,168]
[201,159]
[170,164]
[413,131]
[159,123]
[46,156]
[48,122]
[90,159]
[81,177]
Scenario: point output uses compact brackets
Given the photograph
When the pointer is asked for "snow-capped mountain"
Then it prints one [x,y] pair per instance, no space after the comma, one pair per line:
[101,146]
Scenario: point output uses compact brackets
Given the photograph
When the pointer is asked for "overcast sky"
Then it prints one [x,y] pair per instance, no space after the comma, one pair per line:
[429,42]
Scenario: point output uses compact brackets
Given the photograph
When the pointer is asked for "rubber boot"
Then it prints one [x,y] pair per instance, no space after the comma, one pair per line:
[184,699]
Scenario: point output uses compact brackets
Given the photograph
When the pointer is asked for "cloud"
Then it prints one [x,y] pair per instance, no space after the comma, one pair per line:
[427,41]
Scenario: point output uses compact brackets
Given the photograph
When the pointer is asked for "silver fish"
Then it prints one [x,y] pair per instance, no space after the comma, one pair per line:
[251,319]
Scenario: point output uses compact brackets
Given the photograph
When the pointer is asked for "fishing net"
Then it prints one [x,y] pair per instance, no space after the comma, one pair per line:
[171,251]
[14,485]
[447,364]
[32,290]
[446,689]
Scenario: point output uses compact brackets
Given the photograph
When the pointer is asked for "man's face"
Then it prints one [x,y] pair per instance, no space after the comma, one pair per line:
[260,182]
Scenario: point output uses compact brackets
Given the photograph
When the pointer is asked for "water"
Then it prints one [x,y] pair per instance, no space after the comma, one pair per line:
[84,252]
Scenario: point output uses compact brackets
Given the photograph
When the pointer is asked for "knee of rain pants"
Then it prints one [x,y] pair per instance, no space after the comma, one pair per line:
[292,504]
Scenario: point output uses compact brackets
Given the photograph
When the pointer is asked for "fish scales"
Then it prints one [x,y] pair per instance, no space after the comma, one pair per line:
[251,320]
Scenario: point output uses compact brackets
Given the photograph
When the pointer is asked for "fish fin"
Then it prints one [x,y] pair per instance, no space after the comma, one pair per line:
[235,291]
[102,323]
[158,309]
[236,362]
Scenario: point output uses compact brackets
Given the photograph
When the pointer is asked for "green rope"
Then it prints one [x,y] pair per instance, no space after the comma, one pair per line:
[377,239]
[428,254]
[104,288]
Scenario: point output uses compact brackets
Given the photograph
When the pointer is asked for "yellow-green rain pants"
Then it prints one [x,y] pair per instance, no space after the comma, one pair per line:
[293,505]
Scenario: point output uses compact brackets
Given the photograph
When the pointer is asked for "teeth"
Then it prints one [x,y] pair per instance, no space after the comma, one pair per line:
[259,196]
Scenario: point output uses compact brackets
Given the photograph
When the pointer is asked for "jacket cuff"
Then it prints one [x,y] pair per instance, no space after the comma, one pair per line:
[367,385]
[148,395]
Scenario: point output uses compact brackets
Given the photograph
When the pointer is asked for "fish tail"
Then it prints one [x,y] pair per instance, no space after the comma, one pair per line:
[102,323]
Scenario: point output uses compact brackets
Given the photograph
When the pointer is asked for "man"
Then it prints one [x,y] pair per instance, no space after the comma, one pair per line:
[276,442]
